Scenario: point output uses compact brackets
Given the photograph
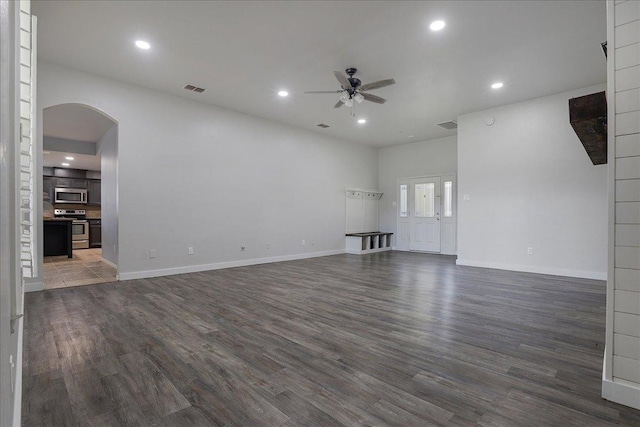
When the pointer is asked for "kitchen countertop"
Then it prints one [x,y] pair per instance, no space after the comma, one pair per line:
[57,219]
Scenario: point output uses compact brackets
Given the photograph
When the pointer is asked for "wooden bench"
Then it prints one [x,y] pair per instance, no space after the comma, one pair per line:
[367,243]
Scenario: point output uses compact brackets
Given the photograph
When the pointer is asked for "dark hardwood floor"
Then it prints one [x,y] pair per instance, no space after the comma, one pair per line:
[384,339]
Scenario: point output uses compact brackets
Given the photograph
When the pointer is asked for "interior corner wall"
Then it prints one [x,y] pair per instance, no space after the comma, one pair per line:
[527,182]
[415,159]
[195,175]
[107,148]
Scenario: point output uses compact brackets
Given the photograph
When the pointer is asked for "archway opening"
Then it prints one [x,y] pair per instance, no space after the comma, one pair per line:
[79,196]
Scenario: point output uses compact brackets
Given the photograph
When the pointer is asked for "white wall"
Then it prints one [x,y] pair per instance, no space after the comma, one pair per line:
[422,158]
[531,184]
[107,148]
[191,174]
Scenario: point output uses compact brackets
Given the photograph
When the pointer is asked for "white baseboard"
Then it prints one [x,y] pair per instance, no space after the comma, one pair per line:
[34,287]
[109,263]
[619,391]
[17,395]
[597,275]
[624,393]
[217,266]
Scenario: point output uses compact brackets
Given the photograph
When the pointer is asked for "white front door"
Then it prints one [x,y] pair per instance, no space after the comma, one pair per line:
[424,214]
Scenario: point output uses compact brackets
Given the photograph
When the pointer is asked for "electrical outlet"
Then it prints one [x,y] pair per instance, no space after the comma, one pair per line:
[190,250]
[267,245]
[153,253]
[242,248]
[304,242]
[529,250]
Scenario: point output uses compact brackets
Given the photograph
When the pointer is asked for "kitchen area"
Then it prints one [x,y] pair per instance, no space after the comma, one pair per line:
[72,238]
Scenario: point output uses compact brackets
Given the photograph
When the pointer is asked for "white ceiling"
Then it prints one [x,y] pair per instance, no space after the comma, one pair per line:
[80,161]
[244,52]
[75,122]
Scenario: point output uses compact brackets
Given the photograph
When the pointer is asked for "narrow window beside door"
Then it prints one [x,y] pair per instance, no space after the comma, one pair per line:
[448,199]
[404,212]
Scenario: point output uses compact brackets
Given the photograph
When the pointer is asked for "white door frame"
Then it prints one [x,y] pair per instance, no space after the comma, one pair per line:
[448,243]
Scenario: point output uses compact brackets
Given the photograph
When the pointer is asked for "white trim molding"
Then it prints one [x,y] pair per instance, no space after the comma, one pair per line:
[220,265]
[33,287]
[596,275]
[616,390]
[620,391]
[109,263]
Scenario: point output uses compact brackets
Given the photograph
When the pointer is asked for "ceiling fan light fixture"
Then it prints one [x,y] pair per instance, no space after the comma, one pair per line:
[359,98]
[349,102]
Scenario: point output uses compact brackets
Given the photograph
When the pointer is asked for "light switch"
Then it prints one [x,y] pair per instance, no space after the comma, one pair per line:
[466,197]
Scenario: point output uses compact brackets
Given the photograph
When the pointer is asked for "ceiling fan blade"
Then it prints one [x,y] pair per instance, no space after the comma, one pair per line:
[338,104]
[344,82]
[378,84]
[323,91]
[373,98]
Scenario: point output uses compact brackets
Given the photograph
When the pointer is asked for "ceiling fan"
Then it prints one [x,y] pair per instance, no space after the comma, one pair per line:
[352,89]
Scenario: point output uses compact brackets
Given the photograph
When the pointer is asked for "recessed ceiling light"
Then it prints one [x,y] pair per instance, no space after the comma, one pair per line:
[409,136]
[497,85]
[143,44]
[64,164]
[283,93]
[437,25]
[69,158]
[362,121]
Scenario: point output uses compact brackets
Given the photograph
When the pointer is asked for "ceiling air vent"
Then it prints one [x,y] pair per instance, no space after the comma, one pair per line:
[450,125]
[323,126]
[193,88]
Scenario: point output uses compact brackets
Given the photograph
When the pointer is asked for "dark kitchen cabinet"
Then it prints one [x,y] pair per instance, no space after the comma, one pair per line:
[94,192]
[57,237]
[47,189]
[70,183]
[79,183]
[95,233]
[70,173]
[62,182]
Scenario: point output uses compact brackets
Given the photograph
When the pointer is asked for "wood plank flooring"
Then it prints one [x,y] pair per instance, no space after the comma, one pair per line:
[391,338]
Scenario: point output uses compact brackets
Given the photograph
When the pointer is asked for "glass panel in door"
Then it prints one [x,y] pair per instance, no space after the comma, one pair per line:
[425,200]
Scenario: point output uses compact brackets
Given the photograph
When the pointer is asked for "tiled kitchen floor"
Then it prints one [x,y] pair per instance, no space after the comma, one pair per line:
[85,268]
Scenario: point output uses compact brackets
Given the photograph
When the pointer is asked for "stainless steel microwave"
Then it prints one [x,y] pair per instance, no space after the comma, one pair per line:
[70,195]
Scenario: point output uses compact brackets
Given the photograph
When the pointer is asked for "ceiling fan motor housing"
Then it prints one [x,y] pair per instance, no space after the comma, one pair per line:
[355,83]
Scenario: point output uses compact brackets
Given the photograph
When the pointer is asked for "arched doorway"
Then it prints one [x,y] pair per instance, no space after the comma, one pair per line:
[79,183]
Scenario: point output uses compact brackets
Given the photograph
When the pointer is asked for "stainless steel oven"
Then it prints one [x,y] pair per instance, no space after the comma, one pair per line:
[80,234]
[79,227]
[70,195]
